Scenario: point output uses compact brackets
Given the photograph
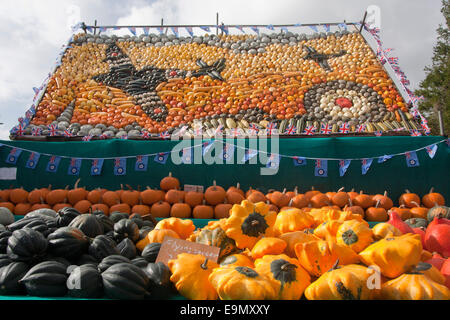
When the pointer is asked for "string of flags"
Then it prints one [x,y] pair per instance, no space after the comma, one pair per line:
[227,151]
[393,62]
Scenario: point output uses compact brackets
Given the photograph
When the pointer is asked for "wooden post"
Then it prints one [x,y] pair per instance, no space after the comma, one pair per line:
[441,123]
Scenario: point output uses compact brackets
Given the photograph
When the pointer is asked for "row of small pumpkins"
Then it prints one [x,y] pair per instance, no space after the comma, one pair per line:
[324,254]
[215,202]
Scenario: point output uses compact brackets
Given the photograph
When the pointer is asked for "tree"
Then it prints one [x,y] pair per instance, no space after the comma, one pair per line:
[435,88]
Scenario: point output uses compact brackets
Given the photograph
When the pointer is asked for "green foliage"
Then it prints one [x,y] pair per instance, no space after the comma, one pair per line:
[435,88]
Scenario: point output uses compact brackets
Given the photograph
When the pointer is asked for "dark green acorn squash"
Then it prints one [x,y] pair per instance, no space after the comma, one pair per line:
[10,276]
[217,238]
[43,214]
[126,228]
[102,246]
[159,284]
[64,261]
[66,215]
[140,262]
[46,279]
[125,281]
[112,260]
[4,260]
[85,281]
[435,211]
[151,251]
[35,223]
[68,242]
[144,231]
[27,245]
[417,222]
[4,236]
[86,259]
[89,224]
[2,228]
[108,224]
[116,216]
[136,218]
[127,248]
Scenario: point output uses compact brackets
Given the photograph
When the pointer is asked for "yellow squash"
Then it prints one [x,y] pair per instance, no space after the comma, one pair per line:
[354,234]
[292,220]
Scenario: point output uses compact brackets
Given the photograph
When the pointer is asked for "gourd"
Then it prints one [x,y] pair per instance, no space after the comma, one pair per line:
[217,238]
[354,234]
[292,238]
[85,281]
[127,248]
[125,281]
[46,279]
[111,260]
[151,251]
[183,227]
[66,215]
[441,211]
[10,276]
[88,224]
[102,246]
[237,259]
[268,246]
[68,242]
[27,245]
[126,228]
[159,285]
[385,230]
[292,220]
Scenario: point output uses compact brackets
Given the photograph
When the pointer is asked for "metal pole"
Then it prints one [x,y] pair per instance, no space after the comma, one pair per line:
[217,23]
[441,123]
[364,20]
[95,29]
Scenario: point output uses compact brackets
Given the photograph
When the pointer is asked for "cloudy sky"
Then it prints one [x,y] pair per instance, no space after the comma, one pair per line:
[32,32]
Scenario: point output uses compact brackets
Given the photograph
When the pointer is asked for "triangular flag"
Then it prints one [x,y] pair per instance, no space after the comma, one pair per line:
[270,27]
[299,161]
[132,30]
[240,28]
[224,29]
[365,165]
[205,28]
[255,29]
[274,161]
[343,166]
[321,169]
[431,150]
[314,28]
[249,154]
[13,156]
[384,158]
[53,163]
[411,159]
[33,160]
[190,31]
[146,30]
[162,157]
[175,31]
[120,166]
[96,167]
[186,158]
[206,146]
[227,152]
[141,163]
[74,167]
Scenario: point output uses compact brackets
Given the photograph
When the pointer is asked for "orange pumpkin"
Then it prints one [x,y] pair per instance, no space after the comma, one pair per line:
[215,194]
[4,195]
[169,182]
[419,212]
[376,213]
[407,199]
[141,209]
[203,211]
[340,198]
[256,196]
[22,209]
[110,198]
[299,201]
[180,210]
[76,194]
[37,195]
[222,210]
[160,209]
[174,196]
[37,206]
[385,201]
[234,197]
[432,199]
[151,196]
[94,196]
[403,212]
[100,207]
[130,196]
[83,206]
[363,200]
[236,189]
[59,206]
[309,194]
[319,200]
[56,196]
[120,207]
[279,199]
[8,205]
[193,198]
[18,195]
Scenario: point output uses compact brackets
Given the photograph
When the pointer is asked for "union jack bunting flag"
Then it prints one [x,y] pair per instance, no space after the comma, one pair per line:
[321,169]
[291,129]
[270,27]
[431,150]
[344,128]
[415,133]
[411,159]
[235,132]
[240,28]
[146,30]
[145,135]
[310,130]
[218,130]
[141,163]
[343,166]
[378,133]
[87,138]
[53,163]
[327,27]
[224,29]
[205,28]
[365,165]
[67,133]
[255,29]
[161,30]
[175,31]
[120,166]
[52,130]
[132,30]
[270,129]
[325,128]
[361,128]
[164,135]
[18,130]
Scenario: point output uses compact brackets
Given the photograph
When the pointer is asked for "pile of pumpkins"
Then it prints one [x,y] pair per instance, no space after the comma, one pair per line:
[216,201]
[323,254]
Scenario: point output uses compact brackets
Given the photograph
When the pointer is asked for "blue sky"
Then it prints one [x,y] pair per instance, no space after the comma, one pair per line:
[32,32]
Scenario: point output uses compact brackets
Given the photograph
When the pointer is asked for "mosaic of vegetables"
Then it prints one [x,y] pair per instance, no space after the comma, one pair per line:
[280,245]
[115,86]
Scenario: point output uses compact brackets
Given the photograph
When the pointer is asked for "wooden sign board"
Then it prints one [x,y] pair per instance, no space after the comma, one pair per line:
[171,247]
[191,187]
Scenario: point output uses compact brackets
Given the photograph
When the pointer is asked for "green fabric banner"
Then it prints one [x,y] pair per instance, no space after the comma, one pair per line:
[392,175]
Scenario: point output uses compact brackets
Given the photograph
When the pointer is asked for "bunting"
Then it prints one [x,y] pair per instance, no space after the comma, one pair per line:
[96,167]
[32,160]
[141,163]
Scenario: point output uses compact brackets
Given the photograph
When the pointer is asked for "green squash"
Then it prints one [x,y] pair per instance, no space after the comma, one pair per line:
[68,242]
[417,222]
[46,279]
[85,282]
[10,276]
[125,281]
[442,211]
[217,238]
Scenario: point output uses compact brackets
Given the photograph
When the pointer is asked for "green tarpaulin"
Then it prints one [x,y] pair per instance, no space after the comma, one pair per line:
[393,175]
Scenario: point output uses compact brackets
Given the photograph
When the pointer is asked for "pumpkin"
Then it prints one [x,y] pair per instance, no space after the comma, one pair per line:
[256,196]
[318,256]
[102,246]
[193,198]
[130,196]
[22,209]
[174,196]
[394,255]
[111,260]
[151,196]
[4,195]
[110,198]
[117,280]
[385,202]
[151,251]
[340,198]
[10,276]
[26,245]
[60,206]
[407,199]
[159,284]
[319,200]
[85,281]
[376,213]
[441,211]
[310,193]
[190,274]
[279,199]
[292,238]
[68,242]
[349,282]
[94,196]
[241,283]
[56,196]
[203,211]
[437,236]
[36,195]
[215,194]
[236,189]
[140,262]
[414,285]
[46,279]
[234,197]
[76,194]
[363,200]
[127,248]
[354,209]
[126,228]
[299,201]
[432,199]
[180,210]
[222,210]
[88,224]
[249,222]
[169,182]
[354,234]
[121,207]
[217,238]
[402,211]
[37,206]
[158,235]
[268,246]
[292,220]
[286,275]
[160,209]
[327,230]
[237,259]
[385,230]
[18,195]
[183,227]
[416,222]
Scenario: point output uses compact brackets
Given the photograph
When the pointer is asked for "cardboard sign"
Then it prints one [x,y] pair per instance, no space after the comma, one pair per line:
[171,247]
[190,187]
[8,173]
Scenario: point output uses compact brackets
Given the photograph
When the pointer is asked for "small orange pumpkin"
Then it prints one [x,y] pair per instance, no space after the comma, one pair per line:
[203,211]
[180,210]
[256,196]
[8,205]
[340,198]
[174,196]
[222,210]
[319,200]
[299,201]
[110,198]
[160,209]
[432,199]
[141,209]
[100,207]
[169,182]
[234,197]
[130,196]
[193,198]
[18,195]
[376,213]
[56,196]
[363,200]
[385,201]
[120,207]
[215,194]
[279,199]
[236,189]
[76,194]
[83,206]
[22,209]
[94,196]
[151,196]
[407,199]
